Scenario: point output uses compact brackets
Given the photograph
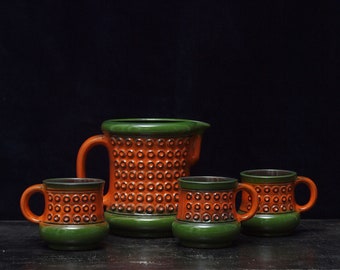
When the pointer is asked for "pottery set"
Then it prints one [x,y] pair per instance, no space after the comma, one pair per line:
[151,193]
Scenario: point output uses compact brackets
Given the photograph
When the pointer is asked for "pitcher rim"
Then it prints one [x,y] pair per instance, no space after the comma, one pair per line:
[154,126]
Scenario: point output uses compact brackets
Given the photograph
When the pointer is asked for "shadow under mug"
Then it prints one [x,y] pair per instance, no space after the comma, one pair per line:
[73,217]
[278,212]
[207,216]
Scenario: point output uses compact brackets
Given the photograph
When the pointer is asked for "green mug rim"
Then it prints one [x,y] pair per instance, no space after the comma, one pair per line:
[206,182]
[268,176]
[72,182]
[153,126]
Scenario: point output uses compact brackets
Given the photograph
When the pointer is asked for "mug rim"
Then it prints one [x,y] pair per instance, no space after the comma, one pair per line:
[207,182]
[268,175]
[151,126]
[73,181]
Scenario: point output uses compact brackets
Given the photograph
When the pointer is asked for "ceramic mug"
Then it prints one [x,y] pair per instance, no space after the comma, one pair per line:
[73,217]
[147,155]
[278,212]
[207,215]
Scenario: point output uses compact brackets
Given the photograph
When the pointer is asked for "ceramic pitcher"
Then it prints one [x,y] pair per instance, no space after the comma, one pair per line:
[147,156]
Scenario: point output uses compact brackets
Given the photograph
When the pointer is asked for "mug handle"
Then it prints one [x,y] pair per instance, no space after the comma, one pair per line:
[82,156]
[313,193]
[24,203]
[254,198]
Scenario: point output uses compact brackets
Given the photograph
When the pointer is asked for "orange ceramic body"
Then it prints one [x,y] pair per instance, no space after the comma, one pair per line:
[213,206]
[147,156]
[278,212]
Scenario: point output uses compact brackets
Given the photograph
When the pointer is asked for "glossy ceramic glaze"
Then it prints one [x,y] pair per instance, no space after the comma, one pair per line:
[207,216]
[278,212]
[73,218]
[147,156]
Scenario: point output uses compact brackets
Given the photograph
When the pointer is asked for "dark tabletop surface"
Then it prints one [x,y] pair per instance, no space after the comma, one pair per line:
[315,245]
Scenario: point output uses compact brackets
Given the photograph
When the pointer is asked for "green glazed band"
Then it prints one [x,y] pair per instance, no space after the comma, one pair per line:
[268,176]
[73,237]
[152,126]
[200,235]
[271,224]
[207,183]
[140,225]
[73,183]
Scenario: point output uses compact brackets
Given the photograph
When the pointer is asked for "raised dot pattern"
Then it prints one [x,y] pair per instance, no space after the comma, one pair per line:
[74,208]
[273,198]
[145,173]
[206,206]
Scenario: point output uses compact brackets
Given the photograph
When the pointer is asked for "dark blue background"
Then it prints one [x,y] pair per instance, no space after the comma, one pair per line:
[264,74]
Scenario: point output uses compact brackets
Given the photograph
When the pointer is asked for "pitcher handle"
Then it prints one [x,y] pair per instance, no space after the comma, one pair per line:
[82,156]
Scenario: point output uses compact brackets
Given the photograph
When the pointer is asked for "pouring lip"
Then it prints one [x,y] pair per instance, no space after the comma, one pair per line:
[154,126]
